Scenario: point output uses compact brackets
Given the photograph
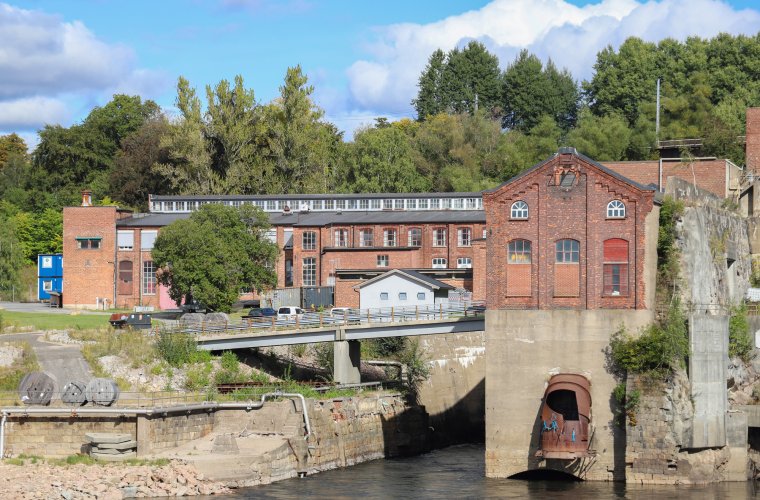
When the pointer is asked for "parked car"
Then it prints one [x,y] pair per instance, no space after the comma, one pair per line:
[289,312]
[261,312]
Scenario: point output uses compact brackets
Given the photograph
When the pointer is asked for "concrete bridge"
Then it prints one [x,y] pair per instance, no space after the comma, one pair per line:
[346,338]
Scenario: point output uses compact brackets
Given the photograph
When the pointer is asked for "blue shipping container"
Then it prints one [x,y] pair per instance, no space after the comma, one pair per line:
[49,275]
[46,285]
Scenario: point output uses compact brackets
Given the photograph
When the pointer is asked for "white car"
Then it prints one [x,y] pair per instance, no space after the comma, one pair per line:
[289,312]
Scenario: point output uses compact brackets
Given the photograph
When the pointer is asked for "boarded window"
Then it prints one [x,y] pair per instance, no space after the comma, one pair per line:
[519,269]
[567,269]
[125,277]
[615,267]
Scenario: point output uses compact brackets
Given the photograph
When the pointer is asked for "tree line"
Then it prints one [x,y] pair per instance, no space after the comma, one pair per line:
[476,126]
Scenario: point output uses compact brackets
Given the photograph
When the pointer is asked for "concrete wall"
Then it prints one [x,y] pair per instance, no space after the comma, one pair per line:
[525,347]
[160,433]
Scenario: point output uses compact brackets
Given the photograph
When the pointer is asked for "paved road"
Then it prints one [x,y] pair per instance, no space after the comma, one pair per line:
[38,307]
[64,362]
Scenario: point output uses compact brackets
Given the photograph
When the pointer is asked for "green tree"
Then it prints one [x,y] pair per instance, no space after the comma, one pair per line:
[215,253]
[602,138]
[11,145]
[39,233]
[429,100]
[521,151]
[11,257]
[471,80]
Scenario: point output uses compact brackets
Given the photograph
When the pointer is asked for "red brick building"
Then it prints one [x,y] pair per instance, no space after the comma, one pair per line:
[568,233]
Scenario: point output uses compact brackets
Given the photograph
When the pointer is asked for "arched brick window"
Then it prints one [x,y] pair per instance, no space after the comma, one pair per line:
[519,260]
[567,268]
[125,277]
[519,210]
[615,267]
[616,210]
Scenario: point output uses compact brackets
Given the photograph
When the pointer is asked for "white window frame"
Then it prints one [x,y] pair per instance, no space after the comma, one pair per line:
[387,240]
[309,240]
[438,240]
[439,263]
[616,210]
[410,238]
[340,238]
[519,210]
[309,271]
[366,242]
[464,263]
[464,237]
[383,260]
[125,239]
[149,277]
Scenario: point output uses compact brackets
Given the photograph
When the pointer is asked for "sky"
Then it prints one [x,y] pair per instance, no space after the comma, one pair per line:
[58,60]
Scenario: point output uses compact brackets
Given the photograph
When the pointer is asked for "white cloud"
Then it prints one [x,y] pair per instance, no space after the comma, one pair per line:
[28,113]
[44,60]
[568,34]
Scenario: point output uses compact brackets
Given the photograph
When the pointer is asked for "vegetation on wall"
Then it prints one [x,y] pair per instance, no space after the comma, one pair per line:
[739,339]
[668,267]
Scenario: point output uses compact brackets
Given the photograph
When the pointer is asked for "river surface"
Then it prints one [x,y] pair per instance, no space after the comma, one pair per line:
[457,473]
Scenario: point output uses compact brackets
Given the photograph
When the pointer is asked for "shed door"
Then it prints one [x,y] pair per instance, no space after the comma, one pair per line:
[125,277]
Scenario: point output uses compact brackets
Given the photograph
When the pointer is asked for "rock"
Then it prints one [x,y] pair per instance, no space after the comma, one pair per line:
[217,318]
[107,438]
[129,491]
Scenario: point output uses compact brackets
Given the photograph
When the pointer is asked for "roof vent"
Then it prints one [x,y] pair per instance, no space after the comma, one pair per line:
[286,210]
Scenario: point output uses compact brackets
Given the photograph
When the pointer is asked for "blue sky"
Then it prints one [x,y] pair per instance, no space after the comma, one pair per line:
[59,59]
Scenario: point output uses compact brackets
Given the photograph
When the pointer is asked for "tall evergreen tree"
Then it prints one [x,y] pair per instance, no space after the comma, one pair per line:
[429,100]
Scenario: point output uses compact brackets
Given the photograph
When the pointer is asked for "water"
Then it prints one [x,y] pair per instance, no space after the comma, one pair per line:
[457,473]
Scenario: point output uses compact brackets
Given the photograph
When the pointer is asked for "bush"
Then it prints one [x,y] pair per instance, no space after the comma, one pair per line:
[739,338]
[389,346]
[229,371]
[177,348]
[660,347]
[667,252]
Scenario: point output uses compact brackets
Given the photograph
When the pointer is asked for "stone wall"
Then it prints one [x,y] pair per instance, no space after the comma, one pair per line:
[53,436]
[158,433]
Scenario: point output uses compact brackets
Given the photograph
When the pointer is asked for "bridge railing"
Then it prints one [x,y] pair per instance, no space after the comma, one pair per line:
[346,317]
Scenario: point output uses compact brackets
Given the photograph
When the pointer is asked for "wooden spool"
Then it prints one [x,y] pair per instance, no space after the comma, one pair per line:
[102,391]
[36,388]
[74,393]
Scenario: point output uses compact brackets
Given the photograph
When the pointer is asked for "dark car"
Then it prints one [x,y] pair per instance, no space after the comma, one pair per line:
[261,312]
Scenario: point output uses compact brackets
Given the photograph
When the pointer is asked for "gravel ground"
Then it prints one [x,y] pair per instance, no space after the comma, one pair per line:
[9,354]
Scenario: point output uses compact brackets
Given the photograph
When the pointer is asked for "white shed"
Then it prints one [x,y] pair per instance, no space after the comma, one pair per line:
[401,288]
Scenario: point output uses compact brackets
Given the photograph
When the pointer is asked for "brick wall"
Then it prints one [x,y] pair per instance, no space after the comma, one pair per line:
[555,213]
[706,174]
[753,140]
[161,433]
[88,274]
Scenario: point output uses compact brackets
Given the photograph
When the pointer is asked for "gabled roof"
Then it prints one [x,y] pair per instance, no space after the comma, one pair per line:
[574,152]
[412,275]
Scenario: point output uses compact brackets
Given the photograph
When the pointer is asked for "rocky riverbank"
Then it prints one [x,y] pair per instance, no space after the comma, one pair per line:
[103,482]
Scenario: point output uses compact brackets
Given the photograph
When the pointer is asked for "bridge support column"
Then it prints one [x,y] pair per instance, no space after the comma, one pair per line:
[346,360]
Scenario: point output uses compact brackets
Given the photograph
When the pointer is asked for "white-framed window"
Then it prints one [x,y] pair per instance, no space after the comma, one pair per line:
[616,209]
[382,261]
[88,243]
[271,206]
[423,204]
[389,238]
[439,237]
[341,238]
[435,203]
[125,240]
[309,240]
[271,235]
[401,295]
[329,204]
[363,204]
[377,203]
[309,271]
[519,210]
[340,204]
[383,295]
[485,234]
[46,261]
[464,263]
[366,237]
[149,278]
[464,236]
[420,295]
[398,204]
[148,239]
[47,285]
[415,237]
[411,204]
[352,204]
[457,203]
[439,263]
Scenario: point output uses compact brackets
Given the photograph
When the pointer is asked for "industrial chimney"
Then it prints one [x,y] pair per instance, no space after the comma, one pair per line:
[86,198]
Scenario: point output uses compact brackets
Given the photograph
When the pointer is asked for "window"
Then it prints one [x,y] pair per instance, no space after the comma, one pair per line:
[519,275]
[567,251]
[125,277]
[46,262]
[341,238]
[415,237]
[401,295]
[615,267]
[457,203]
[464,236]
[439,237]
[398,204]
[616,209]
[389,238]
[149,278]
[439,263]
[310,271]
[271,235]
[352,204]
[567,180]
[147,239]
[88,243]
[47,285]
[519,210]
[464,263]
[420,295]
[485,233]
[271,206]
[383,295]
[366,237]
[364,204]
[435,203]
[309,240]
[411,204]
[382,261]
[423,204]
[340,204]
[376,204]
[567,269]
[329,204]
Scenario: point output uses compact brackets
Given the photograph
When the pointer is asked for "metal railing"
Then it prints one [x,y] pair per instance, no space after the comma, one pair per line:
[342,317]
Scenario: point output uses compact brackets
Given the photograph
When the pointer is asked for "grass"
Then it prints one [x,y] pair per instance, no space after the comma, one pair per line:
[78,459]
[54,321]
[11,376]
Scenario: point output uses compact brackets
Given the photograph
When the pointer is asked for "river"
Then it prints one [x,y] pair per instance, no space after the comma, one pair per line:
[457,473]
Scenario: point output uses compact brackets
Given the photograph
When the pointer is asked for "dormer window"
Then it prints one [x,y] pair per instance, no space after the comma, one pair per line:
[616,210]
[519,210]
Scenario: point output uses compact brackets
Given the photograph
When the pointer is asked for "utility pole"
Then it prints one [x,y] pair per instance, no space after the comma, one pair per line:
[657,119]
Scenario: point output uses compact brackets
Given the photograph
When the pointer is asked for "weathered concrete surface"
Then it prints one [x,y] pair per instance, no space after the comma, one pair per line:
[708,371]
[454,394]
[524,349]
[736,439]
[346,362]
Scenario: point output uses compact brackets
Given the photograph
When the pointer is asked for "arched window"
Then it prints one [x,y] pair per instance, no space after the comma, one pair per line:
[615,267]
[567,268]
[519,283]
[616,209]
[519,210]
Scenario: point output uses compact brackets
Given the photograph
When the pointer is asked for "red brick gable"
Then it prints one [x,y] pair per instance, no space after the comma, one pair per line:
[572,212]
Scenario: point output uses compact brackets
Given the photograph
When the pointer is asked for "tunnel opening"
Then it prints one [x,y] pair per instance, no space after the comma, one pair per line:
[545,475]
[564,402]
